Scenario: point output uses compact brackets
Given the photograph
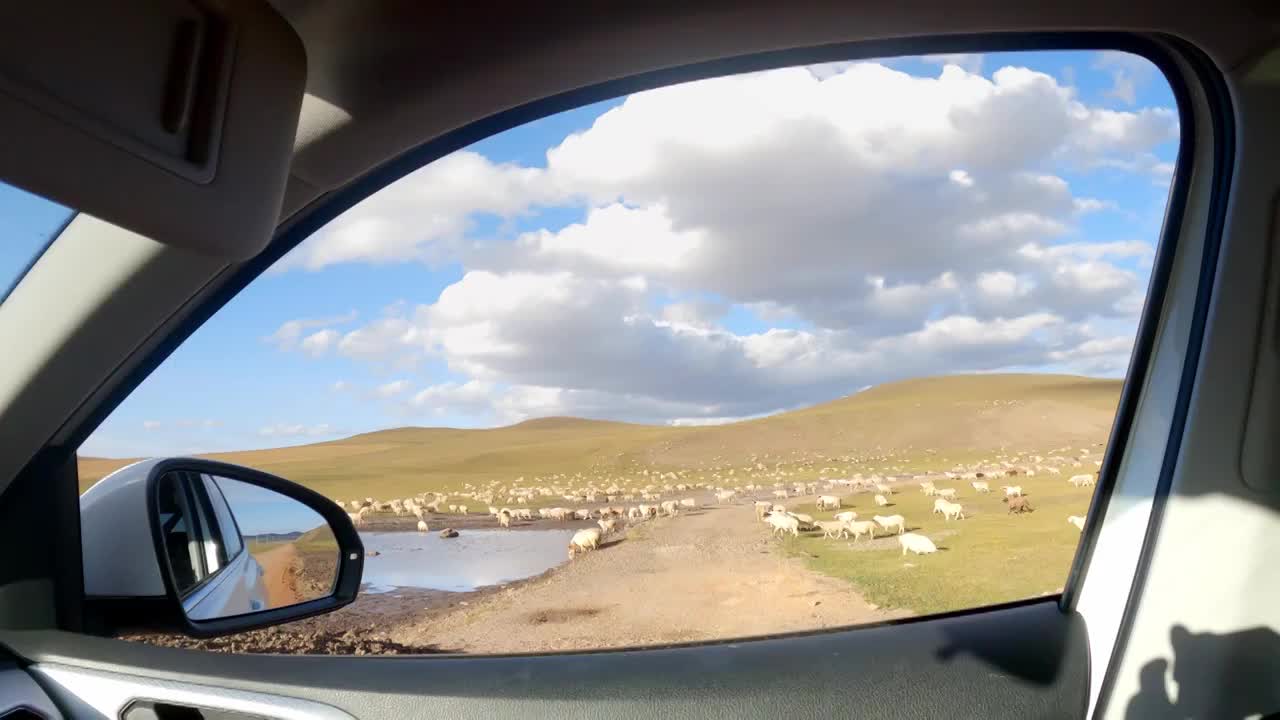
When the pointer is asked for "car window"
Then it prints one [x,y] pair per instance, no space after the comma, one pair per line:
[783,351]
[28,223]
[226,521]
[182,542]
[212,546]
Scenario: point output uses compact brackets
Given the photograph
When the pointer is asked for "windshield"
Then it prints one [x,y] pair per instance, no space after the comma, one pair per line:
[28,223]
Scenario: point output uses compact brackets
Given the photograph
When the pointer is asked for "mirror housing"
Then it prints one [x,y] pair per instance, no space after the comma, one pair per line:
[128,581]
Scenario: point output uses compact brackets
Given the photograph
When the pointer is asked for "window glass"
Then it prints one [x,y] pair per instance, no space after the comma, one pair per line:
[226,521]
[809,348]
[28,223]
[182,543]
[215,553]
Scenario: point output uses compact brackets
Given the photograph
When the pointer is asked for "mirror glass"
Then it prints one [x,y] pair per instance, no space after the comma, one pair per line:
[235,548]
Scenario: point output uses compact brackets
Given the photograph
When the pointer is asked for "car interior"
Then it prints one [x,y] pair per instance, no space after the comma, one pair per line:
[199,141]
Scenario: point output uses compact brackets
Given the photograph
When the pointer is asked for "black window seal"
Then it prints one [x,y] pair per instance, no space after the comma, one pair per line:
[1157,48]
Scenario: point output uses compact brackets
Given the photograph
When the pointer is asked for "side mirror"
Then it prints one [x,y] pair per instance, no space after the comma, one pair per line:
[206,548]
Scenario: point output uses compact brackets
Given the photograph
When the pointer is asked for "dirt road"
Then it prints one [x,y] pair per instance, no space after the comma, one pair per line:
[710,574]
[277,575]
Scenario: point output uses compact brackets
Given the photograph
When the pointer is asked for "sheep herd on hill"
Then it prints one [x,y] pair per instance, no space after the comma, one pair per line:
[614,501]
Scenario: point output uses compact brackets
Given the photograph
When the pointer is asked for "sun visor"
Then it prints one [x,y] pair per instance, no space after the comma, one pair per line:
[173,119]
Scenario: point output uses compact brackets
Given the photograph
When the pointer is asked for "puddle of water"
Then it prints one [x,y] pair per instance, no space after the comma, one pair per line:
[473,559]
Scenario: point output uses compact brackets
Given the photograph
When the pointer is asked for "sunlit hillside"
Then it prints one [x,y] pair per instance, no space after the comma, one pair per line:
[914,424]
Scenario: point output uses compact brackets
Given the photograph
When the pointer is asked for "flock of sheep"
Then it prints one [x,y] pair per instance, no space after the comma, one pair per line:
[726,485]
[844,524]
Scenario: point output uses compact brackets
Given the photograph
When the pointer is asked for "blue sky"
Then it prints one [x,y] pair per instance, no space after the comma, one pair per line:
[538,320]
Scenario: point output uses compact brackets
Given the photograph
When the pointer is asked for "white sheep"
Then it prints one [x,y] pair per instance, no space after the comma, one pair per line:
[806,521]
[918,544]
[952,510]
[928,488]
[1077,521]
[949,493]
[462,509]
[608,525]
[981,486]
[1081,480]
[828,502]
[783,523]
[889,522]
[833,529]
[882,500]
[584,540]
[939,504]
[858,528]
[689,503]
[763,507]
[780,494]
[1012,490]
[670,508]
[422,526]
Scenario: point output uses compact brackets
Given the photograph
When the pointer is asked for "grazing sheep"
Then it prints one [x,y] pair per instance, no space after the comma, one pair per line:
[1018,504]
[828,502]
[949,493]
[1012,490]
[846,516]
[952,510]
[780,494]
[504,519]
[422,526]
[806,521]
[918,544]
[928,488]
[608,526]
[453,508]
[670,508]
[1077,521]
[939,504]
[462,509]
[582,514]
[889,522]
[858,528]
[584,540]
[783,523]
[833,529]
[1081,480]
[881,500]
[763,507]
[981,486]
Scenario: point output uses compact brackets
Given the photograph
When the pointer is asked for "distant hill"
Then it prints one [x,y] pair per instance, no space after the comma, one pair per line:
[928,421]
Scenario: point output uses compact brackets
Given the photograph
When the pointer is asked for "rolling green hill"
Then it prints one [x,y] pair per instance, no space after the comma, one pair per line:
[914,424]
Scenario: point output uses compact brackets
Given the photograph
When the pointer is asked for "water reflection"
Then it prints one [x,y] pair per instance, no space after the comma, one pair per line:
[473,559]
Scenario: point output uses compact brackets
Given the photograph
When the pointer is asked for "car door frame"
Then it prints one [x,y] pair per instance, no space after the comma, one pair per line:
[972,624]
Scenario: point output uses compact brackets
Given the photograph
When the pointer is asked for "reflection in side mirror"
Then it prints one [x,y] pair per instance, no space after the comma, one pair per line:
[235,548]
[207,548]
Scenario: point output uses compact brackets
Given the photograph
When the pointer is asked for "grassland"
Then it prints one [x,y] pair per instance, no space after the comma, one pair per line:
[916,426]
[989,557]
[913,425]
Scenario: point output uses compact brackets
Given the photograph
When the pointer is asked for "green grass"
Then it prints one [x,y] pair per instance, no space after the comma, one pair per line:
[989,557]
